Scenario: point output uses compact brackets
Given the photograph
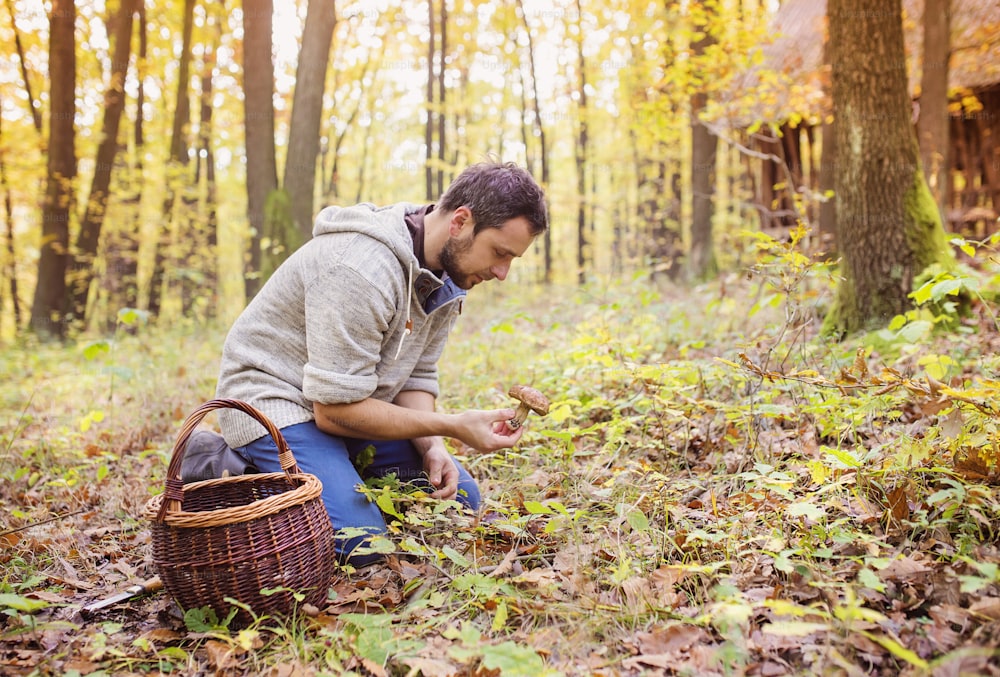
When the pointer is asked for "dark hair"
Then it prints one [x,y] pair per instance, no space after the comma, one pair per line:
[495,193]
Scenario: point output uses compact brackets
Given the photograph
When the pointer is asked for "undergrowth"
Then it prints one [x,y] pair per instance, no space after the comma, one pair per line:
[717,489]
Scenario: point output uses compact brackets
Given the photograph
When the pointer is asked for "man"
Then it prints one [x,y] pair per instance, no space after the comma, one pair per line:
[339,349]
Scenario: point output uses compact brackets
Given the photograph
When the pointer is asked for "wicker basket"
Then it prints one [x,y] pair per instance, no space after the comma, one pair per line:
[235,536]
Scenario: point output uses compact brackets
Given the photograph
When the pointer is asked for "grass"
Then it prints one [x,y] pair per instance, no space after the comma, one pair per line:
[716,490]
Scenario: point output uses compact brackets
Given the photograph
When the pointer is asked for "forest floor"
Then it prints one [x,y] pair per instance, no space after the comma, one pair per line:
[716,491]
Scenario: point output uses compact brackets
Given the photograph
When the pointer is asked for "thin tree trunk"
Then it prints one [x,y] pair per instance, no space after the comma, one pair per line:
[258,88]
[10,262]
[704,146]
[201,243]
[89,237]
[429,128]
[827,178]
[307,110]
[33,104]
[581,152]
[50,290]
[130,238]
[177,162]
[933,122]
[121,244]
[543,150]
[441,98]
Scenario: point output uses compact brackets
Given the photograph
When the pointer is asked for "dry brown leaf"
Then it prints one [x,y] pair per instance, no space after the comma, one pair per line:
[898,505]
[430,667]
[373,667]
[988,607]
[292,669]
[670,639]
[221,656]
[657,661]
[506,565]
[162,635]
[637,592]
[902,569]
[669,576]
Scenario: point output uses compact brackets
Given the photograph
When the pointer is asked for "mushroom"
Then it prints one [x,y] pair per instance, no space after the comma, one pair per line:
[530,400]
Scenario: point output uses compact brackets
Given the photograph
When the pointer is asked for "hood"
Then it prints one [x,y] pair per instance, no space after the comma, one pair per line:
[385,224]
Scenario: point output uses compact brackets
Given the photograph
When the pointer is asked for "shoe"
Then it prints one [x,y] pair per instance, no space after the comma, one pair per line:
[208,457]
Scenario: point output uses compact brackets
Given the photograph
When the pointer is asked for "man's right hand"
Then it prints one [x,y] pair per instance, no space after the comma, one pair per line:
[487,431]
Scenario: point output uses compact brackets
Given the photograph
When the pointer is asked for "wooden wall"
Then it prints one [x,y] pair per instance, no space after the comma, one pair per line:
[972,203]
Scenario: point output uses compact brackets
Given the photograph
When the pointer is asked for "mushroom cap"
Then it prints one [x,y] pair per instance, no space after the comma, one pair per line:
[531,397]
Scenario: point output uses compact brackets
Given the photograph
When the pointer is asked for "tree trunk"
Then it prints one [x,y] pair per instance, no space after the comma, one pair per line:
[307,109]
[933,122]
[121,245]
[89,237]
[581,152]
[33,104]
[177,161]
[543,151]
[199,288]
[9,269]
[441,98]
[888,225]
[50,290]
[370,66]
[258,93]
[704,145]
[429,127]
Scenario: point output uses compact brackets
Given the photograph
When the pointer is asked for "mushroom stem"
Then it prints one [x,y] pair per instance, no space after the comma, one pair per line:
[519,416]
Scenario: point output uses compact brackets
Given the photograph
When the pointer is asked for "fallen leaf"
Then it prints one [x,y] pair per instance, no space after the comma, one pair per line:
[221,656]
[669,639]
[898,506]
[657,661]
[430,667]
[163,635]
[902,569]
[988,607]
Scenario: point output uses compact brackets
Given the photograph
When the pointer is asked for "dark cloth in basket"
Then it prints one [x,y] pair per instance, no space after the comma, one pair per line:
[208,457]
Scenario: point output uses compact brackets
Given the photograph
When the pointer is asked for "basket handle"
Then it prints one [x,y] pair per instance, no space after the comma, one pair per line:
[174,491]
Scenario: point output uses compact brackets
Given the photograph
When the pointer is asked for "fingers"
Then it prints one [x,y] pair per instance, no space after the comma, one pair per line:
[445,478]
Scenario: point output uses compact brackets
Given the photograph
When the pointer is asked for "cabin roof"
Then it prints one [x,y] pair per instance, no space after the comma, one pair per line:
[790,80]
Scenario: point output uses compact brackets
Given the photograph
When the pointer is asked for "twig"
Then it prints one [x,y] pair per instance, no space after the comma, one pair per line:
[45,521]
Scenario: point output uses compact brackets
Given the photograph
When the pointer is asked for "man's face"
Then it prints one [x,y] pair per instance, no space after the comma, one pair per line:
[470,259]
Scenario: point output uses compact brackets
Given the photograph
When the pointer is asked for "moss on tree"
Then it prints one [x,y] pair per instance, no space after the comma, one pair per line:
[928,243]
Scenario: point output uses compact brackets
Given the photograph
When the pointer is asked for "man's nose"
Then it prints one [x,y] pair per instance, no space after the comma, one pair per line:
[500,271]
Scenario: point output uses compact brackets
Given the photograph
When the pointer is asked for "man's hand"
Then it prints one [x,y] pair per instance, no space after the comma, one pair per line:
[440,468]
[487,431]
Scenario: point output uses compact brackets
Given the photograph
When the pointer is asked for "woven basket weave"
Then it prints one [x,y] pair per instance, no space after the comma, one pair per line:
[235,536]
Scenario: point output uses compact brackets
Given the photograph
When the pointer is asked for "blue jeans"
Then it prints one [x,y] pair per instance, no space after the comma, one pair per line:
[331,459]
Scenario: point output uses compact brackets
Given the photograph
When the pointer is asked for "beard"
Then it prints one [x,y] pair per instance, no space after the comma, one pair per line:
[451,257]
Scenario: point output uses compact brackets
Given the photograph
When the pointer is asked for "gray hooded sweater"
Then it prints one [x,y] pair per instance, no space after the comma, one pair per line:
[330,325]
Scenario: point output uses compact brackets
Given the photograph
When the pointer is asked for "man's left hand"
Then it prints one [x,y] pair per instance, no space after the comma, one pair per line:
[441,471]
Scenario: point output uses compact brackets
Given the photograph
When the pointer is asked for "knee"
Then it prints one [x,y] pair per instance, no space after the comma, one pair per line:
[468,492]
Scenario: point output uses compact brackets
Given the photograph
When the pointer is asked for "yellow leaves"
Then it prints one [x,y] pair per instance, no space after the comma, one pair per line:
[92,417]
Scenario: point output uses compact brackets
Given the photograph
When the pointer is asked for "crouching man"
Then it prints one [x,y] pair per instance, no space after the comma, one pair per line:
[340,347]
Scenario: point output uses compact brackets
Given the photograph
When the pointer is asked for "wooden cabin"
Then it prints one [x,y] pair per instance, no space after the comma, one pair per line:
[797,104]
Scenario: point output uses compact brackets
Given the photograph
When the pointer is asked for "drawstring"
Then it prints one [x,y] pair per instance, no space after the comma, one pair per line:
[409,322]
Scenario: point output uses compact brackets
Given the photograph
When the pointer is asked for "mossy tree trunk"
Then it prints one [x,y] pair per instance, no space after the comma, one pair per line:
[888,225]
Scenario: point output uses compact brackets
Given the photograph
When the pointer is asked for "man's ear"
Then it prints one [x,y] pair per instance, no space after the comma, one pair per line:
[461,219]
